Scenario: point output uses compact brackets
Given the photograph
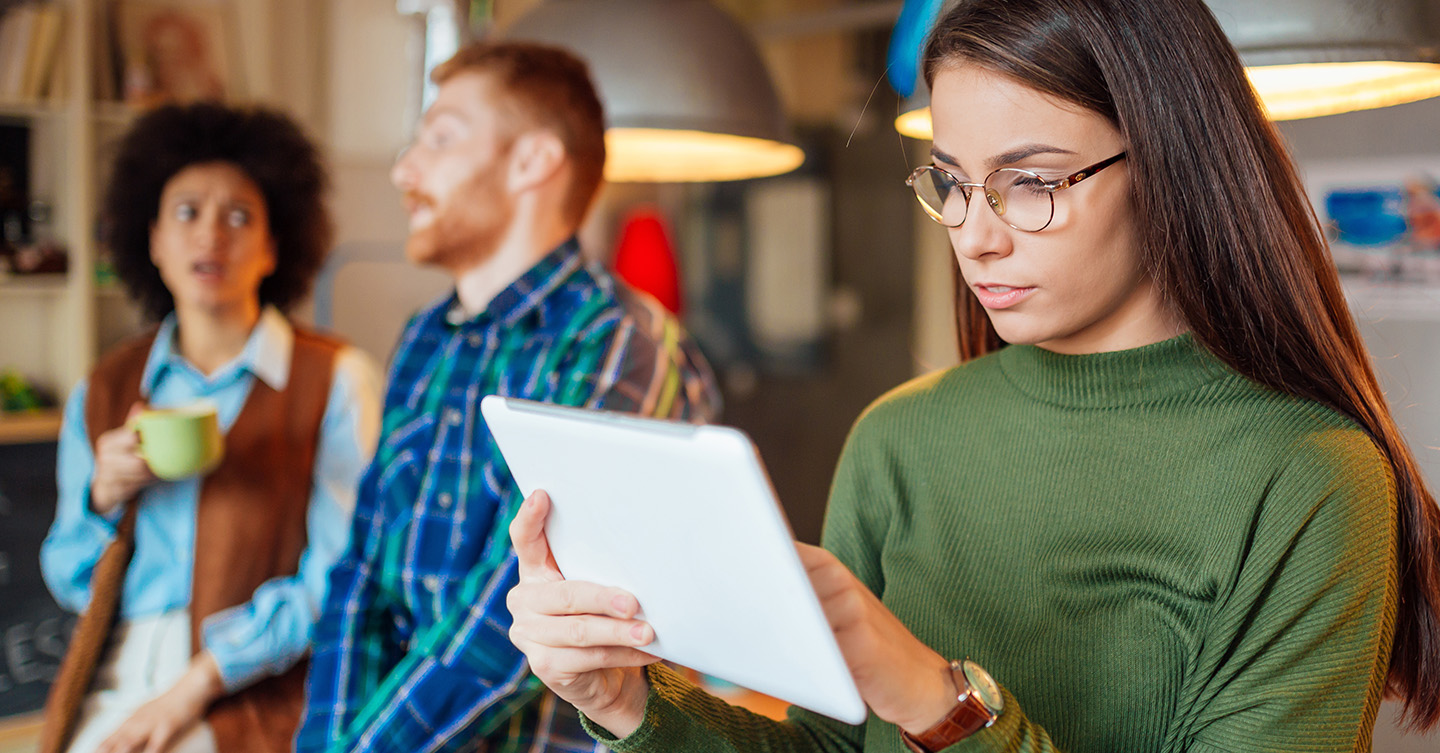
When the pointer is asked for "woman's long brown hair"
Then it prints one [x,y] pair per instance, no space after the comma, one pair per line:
[1228,235]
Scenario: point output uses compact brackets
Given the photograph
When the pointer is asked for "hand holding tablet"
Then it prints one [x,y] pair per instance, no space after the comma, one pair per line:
[682,517]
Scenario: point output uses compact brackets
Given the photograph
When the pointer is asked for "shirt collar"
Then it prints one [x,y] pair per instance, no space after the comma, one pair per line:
[266,353]
[529,290]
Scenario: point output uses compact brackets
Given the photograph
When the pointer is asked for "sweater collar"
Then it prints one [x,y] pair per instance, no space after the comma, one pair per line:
[1110,380]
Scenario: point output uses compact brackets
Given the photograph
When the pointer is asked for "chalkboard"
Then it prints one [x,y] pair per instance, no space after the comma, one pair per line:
[33,629]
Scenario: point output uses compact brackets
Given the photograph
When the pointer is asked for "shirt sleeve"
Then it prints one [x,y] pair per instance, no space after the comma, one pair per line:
[1299,647]
[267,635]
[652,368]
[79,535]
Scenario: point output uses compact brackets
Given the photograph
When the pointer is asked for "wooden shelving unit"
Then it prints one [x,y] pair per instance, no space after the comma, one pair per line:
[55,342]
[20,734]
[23,428]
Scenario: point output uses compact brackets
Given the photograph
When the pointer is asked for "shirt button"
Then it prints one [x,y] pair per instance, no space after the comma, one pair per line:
[453,417]
[432,583]
[444,499]
[476,340]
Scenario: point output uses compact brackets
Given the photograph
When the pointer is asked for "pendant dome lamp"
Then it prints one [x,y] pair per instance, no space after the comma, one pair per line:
[1308,58]
[687,97]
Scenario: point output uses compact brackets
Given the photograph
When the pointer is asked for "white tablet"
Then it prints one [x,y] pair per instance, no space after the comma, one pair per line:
[684,518]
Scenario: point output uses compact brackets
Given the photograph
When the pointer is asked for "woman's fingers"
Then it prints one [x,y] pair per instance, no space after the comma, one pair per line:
[827,575]
[527,534]
[122,740]
[571,664]
[159,741]
[568,597]
[583,631]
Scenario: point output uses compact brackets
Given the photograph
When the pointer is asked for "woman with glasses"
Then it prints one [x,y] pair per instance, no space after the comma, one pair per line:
[1161,506]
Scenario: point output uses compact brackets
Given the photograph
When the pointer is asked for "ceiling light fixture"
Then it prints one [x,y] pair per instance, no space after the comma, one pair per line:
[1308,58]
[687,97]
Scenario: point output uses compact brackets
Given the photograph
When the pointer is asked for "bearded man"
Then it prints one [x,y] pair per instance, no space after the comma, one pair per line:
[411,651]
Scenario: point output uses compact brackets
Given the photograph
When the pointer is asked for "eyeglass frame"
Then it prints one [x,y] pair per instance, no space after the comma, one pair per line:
[1050,186]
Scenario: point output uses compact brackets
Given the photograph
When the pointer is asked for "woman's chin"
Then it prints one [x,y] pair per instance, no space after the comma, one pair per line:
[214,305]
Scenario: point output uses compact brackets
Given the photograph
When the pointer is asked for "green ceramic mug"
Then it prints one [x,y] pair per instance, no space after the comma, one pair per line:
[180,442]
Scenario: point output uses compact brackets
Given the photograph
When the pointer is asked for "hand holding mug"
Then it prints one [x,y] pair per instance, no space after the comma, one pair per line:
[180,442]
[580,638]
[120,471]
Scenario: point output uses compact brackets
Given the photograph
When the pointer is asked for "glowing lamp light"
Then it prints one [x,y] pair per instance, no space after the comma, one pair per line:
[655,155]
[1306,91]
[915,123]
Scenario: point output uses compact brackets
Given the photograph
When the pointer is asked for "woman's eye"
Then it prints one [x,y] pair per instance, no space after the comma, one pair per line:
[186,212]
[238,218]
[1033,185]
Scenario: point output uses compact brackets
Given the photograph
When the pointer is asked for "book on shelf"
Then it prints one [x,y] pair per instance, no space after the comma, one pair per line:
[44,45]
[29,48]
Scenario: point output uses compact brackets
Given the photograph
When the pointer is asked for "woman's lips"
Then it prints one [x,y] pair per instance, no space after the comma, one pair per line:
[997,296]
[209,271]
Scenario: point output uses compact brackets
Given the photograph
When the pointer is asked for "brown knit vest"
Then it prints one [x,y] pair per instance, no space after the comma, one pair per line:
[251,516]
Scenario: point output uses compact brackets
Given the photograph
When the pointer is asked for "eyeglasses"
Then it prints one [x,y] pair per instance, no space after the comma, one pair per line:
[1023,199]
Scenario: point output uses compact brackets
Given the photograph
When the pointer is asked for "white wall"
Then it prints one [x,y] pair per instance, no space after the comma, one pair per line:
[372,77]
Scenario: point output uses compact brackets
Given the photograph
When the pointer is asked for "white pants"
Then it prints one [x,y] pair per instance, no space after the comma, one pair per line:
[145,658]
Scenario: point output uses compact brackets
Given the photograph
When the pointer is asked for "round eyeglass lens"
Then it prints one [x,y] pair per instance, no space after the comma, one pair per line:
[1020,197]
[943,198]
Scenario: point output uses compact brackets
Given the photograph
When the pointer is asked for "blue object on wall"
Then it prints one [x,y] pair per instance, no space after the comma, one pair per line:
[903,57]
[1367,217]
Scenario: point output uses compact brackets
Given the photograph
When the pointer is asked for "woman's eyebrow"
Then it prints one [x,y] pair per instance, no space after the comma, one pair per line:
[1006,158]
[1023,152]
[943,157]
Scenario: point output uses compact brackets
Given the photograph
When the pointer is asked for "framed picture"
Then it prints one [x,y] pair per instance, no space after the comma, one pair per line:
[1381,215]
[175,50]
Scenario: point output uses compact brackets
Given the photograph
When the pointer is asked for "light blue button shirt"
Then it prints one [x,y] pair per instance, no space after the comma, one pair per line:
[271,632]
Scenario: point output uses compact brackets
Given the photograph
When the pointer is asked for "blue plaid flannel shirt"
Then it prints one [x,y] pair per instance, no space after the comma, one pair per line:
[411,652]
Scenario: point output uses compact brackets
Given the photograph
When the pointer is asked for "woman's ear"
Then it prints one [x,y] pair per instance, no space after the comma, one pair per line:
[535,157]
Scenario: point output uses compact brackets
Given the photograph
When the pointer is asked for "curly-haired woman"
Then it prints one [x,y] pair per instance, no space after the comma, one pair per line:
[217,222]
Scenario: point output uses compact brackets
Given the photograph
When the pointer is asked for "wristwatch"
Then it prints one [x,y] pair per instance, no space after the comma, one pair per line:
[978,706]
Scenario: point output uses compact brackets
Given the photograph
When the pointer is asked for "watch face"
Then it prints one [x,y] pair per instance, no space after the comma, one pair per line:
[984,686]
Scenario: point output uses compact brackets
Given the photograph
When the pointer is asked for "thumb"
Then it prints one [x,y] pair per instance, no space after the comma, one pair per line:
[527,534]
[136,408]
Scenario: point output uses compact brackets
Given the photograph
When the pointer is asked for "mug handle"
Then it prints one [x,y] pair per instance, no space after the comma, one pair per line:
[132,420]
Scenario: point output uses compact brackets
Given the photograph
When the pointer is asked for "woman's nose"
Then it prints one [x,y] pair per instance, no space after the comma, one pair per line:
[983,233]
[210,232]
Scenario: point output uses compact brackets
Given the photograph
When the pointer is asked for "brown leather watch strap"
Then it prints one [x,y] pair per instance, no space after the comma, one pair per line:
[968,717]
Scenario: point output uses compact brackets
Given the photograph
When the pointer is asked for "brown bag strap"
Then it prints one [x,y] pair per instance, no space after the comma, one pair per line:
[87,643]
[114,387]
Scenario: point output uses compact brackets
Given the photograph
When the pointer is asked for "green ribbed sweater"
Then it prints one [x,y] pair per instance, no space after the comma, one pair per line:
[1148,551]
